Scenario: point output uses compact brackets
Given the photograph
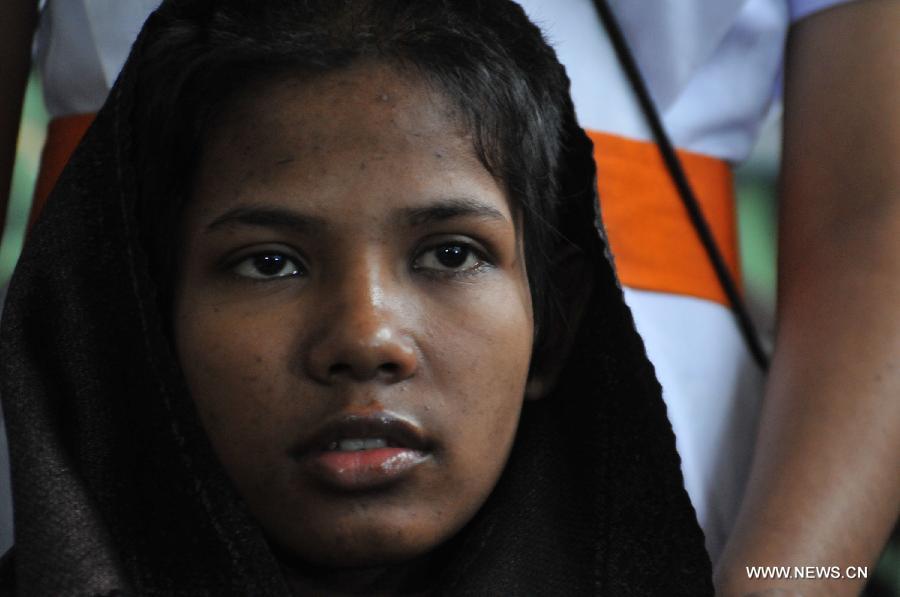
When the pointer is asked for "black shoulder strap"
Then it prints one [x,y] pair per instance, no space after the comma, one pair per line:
[676,172]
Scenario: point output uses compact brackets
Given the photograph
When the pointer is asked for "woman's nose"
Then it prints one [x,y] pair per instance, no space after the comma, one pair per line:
[361,336]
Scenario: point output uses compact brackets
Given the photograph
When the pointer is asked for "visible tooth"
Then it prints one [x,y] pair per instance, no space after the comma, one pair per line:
[355,444]
[350,445]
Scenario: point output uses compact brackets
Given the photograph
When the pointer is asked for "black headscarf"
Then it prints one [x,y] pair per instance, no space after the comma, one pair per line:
[116,487]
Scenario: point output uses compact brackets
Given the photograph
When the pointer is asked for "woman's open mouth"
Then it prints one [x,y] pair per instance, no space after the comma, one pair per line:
[354,453]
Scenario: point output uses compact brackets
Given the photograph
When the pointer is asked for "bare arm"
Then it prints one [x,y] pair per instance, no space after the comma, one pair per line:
[18,19]
[825,484]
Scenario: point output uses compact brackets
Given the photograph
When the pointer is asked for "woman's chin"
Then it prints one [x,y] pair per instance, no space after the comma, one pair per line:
[368,548]
[359,568]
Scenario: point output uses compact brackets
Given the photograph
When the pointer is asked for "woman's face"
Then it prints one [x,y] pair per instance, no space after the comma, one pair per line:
[353,314]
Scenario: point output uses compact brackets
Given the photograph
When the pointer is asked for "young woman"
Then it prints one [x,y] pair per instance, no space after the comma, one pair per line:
[329,312]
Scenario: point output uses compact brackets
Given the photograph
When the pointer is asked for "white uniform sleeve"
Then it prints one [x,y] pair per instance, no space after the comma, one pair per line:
[803,8]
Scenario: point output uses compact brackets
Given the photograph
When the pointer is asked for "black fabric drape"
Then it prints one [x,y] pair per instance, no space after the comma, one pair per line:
[116,488]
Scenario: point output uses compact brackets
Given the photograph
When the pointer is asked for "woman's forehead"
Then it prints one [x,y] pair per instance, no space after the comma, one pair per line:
[366,97]
[368,136]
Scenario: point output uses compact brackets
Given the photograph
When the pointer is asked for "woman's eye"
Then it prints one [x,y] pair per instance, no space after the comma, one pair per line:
[268,266]
[451,257]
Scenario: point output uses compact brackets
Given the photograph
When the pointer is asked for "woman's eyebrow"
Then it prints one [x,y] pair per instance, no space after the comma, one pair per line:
[268,217]
[446,209]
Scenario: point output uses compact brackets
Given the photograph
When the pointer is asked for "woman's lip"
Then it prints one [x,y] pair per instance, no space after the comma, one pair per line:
[398,431]
[363,469]
[403,447]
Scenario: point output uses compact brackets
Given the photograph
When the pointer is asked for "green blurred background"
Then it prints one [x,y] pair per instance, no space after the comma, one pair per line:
[756,218]
[28,155]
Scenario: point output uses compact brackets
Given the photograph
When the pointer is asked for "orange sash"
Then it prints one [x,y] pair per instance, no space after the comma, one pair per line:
[652,239]
[63,136]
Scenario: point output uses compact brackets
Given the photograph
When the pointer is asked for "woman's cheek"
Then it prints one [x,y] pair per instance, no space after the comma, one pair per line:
[228,371]
[485,353]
